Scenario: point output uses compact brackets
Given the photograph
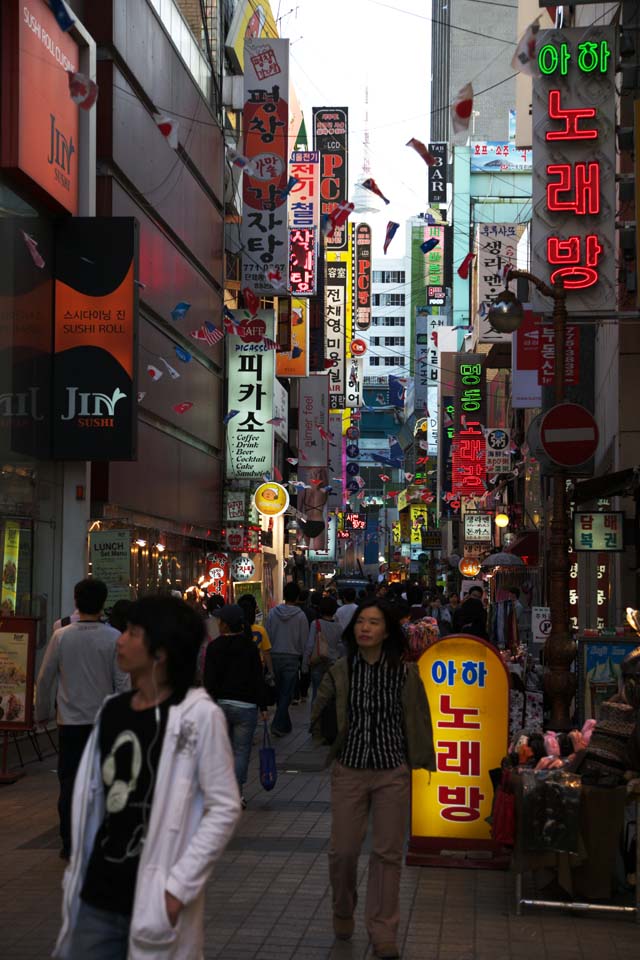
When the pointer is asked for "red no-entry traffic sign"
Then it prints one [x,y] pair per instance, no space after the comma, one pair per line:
[569,434]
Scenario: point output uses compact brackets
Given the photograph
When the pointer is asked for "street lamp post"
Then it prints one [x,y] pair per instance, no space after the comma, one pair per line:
[560,649]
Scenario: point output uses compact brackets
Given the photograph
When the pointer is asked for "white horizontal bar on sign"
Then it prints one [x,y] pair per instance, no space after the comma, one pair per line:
[567,434]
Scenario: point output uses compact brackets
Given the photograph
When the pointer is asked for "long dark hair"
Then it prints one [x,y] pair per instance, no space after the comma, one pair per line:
[394,643]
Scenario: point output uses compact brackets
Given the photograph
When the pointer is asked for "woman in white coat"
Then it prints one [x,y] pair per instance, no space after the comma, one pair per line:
[155,801]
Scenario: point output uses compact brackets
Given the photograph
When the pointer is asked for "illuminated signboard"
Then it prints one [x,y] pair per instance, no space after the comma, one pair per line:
[304,197]
[330,131]
[335,317]
[574,190]
[438,173]
[436,296]
[434,259]
[250,371]
[363,276]
[478,527]
[264,230]
[603,532]
[355,521]
[468,689]
[302,262]
[469,458]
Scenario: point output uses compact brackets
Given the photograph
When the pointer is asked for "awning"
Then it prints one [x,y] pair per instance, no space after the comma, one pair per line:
[527,546]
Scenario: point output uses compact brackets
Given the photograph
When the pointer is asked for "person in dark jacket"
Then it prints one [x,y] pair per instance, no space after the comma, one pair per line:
[233,678]
[471,616]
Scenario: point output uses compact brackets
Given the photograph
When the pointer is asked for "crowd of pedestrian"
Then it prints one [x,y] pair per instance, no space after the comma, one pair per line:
[157,707]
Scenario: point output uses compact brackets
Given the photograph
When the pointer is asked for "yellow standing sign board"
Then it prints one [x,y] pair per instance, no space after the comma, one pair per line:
[467,685]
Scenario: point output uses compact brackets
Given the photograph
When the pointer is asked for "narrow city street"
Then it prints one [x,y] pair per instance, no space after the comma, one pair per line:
[269,898]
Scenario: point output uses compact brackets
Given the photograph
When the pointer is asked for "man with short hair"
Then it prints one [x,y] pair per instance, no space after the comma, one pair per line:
[288,629]
[155,801]
[348,608]
[79,666]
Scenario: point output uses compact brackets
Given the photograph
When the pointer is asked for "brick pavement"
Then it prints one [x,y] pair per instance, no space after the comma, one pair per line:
[269,897]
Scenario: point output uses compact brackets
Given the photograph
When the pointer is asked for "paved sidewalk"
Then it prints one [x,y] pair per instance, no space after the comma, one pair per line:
[269,897]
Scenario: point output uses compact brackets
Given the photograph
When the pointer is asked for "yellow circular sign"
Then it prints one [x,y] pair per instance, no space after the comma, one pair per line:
[271,499]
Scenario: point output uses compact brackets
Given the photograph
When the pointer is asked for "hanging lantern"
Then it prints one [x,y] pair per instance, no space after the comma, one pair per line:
[469,567]
[501,520]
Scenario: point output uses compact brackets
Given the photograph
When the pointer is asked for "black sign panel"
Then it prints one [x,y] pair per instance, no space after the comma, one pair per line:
[94,408]
[362,276]
[330,132]
[438,173]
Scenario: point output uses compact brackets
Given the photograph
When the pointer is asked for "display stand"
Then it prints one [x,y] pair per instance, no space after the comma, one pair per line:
[17,665]
[576,906]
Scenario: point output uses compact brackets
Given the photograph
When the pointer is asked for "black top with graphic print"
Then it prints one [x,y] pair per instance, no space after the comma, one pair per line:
[130,742]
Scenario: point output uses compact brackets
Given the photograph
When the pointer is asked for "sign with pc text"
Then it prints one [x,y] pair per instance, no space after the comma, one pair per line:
[598,531]
[574,184]
[467,686]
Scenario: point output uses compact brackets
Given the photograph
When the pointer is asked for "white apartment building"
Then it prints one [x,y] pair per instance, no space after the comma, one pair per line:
[389,345]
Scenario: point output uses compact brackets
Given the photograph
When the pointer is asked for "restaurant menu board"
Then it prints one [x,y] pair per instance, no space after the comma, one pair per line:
[110,556]
[17,658]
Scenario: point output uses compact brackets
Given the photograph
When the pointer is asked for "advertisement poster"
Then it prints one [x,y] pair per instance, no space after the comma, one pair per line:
[254,589]
[109,556]
[11,549]
[601,672]
[17,652]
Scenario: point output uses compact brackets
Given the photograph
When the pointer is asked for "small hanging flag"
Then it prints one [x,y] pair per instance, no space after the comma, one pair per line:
[337,479]
[465,266]
[289,187]
[409,477]
[447,421]
[229,416]
[173,373]
[266,477]
[293,461]
[270,344]
[59,10]
[384,477]
[298,485]
[141,396]
[381,399]
[274,277]
[277,474]
[32,247]
[183,407]
[327,489]
[524,59]
[229,321]
[422,151]
[140,284]
[276,421]
[83,91]
[370,184]
[393,494]
[296,352]
[339,216]
[325,434]
[154,372]
[315,482]
[179,312]
[429,244]
[168,127]
[329,362]
[182,354]
[251,301]
[461,108]
[208,333]
[240,161]
[302,455]
[390,234]
[423,444]
[360,496]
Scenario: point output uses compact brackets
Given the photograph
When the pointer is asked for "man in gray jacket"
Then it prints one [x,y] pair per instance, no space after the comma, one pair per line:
[288,630]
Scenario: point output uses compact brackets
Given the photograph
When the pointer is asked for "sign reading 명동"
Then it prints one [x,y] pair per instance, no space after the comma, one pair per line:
[467,686]
[110,558]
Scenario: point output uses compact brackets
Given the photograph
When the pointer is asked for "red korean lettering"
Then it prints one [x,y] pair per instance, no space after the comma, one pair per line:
[570,117]
[575,274]
[587,188]
[461,757]
[461,804]
[459,715]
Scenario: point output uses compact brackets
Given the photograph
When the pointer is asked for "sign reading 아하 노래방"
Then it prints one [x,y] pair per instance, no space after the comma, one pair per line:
[40,122]
[574,182]
[467,686]
[265,228]
[110,558]
[94,409]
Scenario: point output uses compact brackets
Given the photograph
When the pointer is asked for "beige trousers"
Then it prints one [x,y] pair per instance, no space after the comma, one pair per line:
[353,794]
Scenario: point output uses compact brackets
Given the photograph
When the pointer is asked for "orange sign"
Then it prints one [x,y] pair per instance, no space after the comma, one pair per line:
[468,689]
[38,113]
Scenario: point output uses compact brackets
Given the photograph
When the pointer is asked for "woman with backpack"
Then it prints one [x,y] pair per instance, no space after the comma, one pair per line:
[324,643]
[382,727]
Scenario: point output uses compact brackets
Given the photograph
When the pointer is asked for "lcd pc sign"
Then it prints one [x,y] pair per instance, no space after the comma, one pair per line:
[94,410]
[574,186]
[330,133]
[250,371]
[265,229]
[363,276]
